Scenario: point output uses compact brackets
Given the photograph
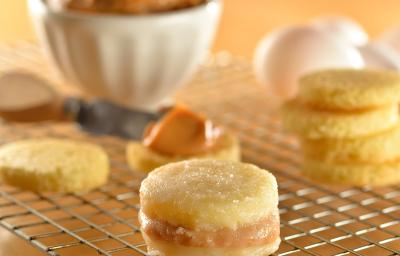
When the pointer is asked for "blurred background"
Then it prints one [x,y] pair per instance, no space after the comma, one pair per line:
[244,21]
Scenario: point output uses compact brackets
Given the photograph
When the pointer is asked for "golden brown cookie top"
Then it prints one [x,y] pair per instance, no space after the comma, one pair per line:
[50,155]
[350,89]
[54,165]
[209,194]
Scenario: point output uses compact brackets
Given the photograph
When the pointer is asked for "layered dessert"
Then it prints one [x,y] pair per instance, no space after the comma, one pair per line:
[210,208]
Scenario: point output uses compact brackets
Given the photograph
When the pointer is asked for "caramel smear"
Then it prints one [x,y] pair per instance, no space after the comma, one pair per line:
[263,232]
[181,132]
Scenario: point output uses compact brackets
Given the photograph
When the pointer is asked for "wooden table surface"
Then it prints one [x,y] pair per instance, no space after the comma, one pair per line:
[243,24]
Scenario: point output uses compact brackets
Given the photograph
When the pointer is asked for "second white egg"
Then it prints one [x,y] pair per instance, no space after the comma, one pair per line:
[343,29]
[380,56]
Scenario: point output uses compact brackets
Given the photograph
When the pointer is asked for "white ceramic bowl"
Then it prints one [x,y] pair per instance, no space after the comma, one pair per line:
[135,60]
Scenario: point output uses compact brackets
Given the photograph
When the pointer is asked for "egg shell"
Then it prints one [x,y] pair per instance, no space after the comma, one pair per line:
[391,38]
[380,56]
[342,28]
[286,54]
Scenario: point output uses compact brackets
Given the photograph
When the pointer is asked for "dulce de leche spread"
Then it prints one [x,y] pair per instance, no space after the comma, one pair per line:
[181,132]
[127,6]
[259,233]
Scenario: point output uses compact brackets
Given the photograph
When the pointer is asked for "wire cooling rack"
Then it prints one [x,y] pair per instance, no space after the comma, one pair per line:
[315,219]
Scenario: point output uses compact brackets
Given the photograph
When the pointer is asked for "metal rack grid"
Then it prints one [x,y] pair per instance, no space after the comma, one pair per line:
[315,219]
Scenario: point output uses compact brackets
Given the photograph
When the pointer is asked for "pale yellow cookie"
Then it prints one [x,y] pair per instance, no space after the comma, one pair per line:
[144,159]
[353,174]
[210,208]
[377,148]
[315,124]
[350,89]
[161,248]
[54,165]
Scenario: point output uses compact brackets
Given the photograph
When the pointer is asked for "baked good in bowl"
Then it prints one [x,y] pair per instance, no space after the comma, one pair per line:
[120,57]
[53,165]
[210,207]
[314,123]
[180,135]
[127,6]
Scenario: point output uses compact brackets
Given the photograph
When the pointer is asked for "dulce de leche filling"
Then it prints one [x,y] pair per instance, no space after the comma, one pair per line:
[181,132]
[263,232]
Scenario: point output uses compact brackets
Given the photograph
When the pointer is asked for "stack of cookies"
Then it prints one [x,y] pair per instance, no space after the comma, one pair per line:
[349,127]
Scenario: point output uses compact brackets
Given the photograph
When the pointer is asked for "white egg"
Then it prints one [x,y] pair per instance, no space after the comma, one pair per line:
[391,38]
[286,54]
[343,29]
[380,56]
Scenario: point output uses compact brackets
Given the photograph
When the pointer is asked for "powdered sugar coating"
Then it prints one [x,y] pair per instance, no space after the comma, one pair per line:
[209,194]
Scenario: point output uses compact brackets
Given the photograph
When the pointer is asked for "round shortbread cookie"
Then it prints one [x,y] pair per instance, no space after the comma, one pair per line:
[350,89]
[209,194]
[144,159]
[161,248]
[377,148]
[353,174]
[315,124]
[54,165]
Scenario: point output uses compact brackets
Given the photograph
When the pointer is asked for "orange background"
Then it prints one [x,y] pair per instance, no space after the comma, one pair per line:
[244,21]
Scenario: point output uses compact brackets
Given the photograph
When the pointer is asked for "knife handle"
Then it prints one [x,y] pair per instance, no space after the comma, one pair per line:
[50,111]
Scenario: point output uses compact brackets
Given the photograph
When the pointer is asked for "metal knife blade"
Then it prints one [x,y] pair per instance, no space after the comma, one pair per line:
[104,117]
